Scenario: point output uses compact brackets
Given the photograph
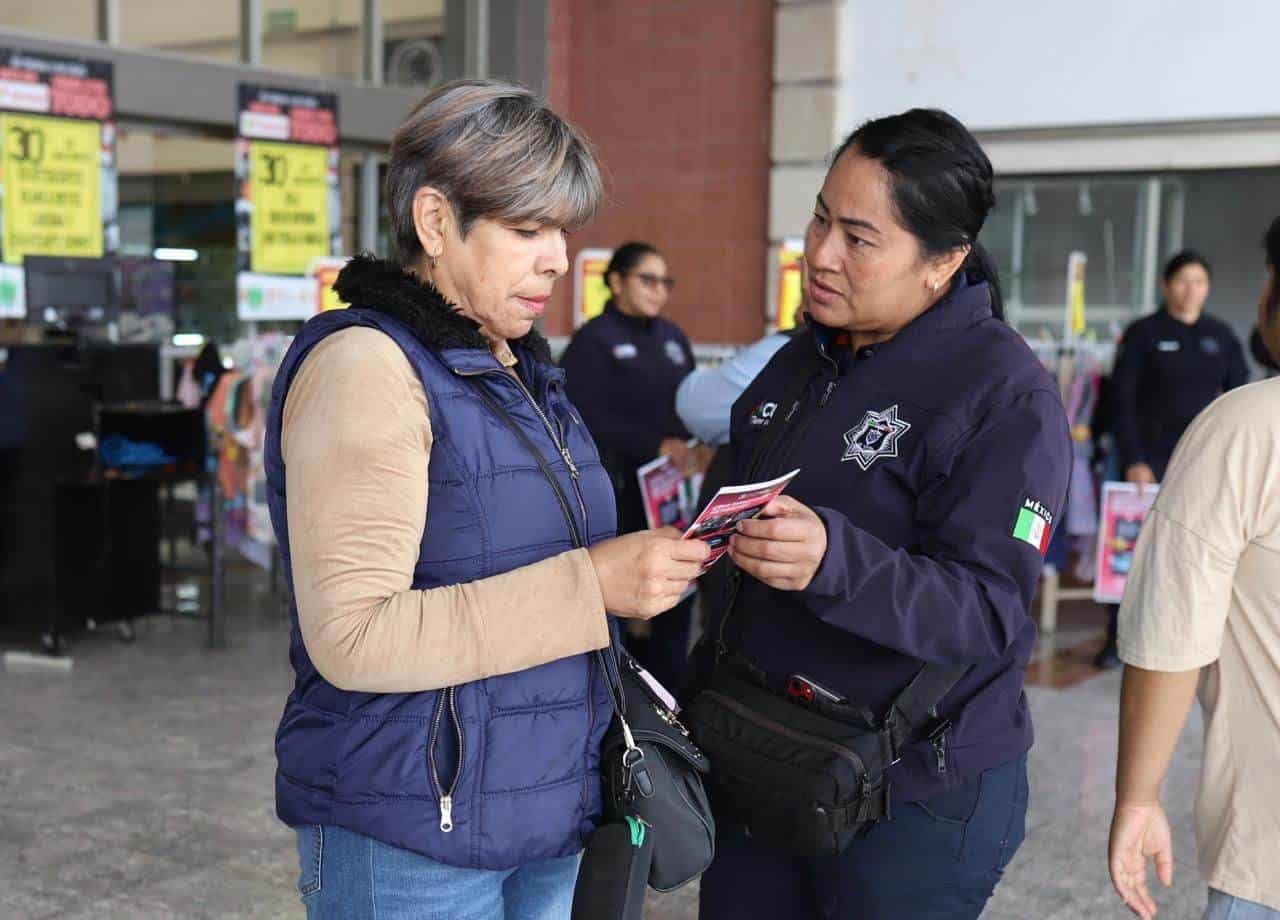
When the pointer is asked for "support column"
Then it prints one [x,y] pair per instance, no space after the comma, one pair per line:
[370,201]
[109,22]
[251,32]
[371,33]
[812,57]
[503,39]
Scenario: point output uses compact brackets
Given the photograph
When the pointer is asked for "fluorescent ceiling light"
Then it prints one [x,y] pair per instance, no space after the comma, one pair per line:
[188,340]
[176,255]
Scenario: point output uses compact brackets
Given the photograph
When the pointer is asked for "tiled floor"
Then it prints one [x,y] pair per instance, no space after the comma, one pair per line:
[139,784]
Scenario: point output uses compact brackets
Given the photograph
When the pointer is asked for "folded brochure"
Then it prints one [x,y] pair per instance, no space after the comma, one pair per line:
[719,520]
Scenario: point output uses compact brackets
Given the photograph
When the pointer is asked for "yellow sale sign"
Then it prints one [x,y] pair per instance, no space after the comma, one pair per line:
[52,174]
[289,189]
[595,292]
[790,295]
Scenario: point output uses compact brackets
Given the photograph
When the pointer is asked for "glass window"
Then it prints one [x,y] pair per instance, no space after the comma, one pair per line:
[1225,214]
[1129,227]
[325,39]
[195,28]
[74,19]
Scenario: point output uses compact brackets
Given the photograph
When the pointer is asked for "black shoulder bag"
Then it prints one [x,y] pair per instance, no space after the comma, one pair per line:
[649,765]
[807,776]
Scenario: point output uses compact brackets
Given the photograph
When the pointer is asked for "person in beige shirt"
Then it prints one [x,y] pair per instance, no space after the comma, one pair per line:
[1202,610]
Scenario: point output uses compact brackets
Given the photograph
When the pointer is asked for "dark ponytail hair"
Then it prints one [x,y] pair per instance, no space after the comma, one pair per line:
[942,184]
[626,257]
[1181,260]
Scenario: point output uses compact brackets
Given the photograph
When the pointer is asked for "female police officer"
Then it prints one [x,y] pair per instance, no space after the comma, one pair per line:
[934,455]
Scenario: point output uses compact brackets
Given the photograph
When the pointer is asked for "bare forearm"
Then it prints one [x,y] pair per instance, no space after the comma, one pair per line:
[1153,711]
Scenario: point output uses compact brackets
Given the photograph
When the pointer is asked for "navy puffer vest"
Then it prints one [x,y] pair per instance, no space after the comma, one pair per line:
[519,752]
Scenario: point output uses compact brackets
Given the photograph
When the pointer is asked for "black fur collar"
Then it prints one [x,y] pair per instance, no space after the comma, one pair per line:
[378,284]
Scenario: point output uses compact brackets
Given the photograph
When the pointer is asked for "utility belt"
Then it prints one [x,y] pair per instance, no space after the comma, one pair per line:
[801,772]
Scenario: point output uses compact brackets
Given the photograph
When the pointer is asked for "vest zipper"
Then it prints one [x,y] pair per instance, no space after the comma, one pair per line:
[448,699]
[615,689]
[560,444]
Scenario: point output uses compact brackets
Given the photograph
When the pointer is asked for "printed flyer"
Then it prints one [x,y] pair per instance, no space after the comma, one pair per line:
[717,522]
[665,494]
[1124,508]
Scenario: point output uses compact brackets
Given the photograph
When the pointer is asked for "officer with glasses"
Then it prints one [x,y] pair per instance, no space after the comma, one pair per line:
[623,369]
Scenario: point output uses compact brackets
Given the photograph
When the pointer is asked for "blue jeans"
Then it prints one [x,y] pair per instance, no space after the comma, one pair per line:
[1225,907]
[940,858]
[347,876]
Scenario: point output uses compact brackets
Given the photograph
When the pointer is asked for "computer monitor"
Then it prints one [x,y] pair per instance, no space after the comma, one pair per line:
[69,293]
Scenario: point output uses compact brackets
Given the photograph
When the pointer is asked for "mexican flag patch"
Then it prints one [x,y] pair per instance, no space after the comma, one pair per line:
[1034,523]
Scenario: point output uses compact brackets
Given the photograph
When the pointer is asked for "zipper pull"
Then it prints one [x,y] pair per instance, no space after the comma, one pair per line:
[568,459]
[831,388]
[940,749]
[446,813]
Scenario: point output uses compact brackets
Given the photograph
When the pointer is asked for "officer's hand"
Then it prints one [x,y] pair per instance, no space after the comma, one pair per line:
[677,450]
[643,574]
[1141,475]
[1139,832]
[700,460]
[783,547]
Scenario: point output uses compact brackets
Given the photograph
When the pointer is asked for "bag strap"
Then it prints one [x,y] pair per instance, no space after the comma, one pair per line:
[775,428]
[772,434]
[612,677]
[917,705]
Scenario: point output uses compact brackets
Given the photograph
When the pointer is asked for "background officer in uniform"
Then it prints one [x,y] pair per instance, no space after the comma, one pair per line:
[623,370]
[921,543]
[1170,366]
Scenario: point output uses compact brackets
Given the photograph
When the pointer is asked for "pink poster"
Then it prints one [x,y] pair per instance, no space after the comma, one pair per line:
[662,487]
[1124,508]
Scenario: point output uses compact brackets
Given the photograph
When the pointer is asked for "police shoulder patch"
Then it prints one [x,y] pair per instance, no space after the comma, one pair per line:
[1034,524]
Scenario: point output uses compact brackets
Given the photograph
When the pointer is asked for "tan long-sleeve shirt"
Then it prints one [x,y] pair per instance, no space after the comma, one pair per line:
[356,443]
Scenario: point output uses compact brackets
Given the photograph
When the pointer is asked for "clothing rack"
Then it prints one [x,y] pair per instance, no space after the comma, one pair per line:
[1065,358]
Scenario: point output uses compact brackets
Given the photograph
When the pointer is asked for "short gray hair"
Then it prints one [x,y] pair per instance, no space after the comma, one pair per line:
[495,150]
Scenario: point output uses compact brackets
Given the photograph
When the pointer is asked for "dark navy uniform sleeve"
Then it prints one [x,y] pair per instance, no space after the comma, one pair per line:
[1124,394]
[963,596]
[588,369]
[1238,368]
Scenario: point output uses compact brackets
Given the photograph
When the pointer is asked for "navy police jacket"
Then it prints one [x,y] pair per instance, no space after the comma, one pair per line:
[1167,372]
[938,461]
[623,372]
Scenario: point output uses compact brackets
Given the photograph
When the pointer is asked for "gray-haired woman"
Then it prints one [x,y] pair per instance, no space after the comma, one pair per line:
[438,754]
